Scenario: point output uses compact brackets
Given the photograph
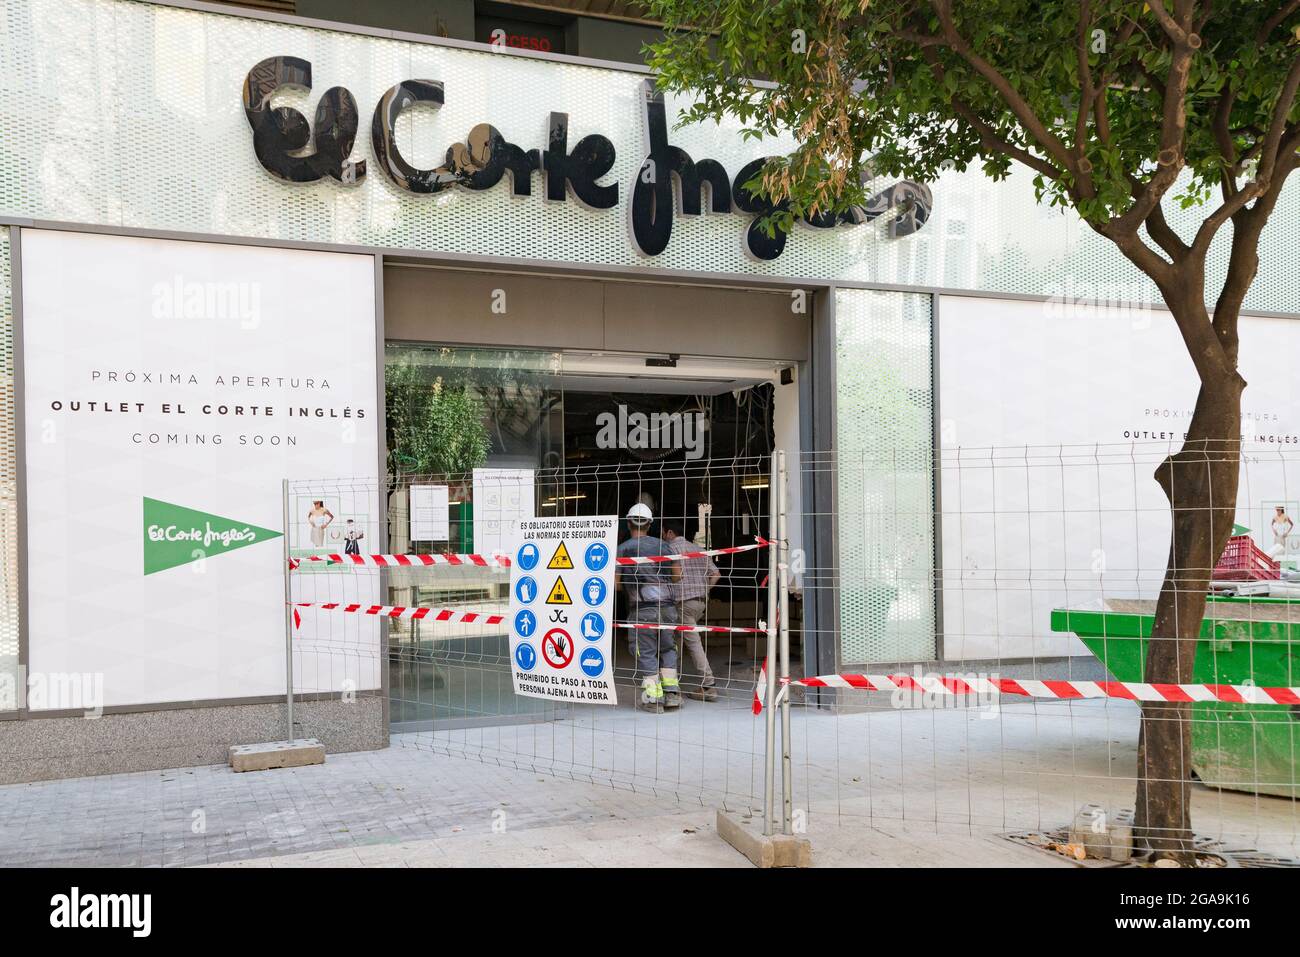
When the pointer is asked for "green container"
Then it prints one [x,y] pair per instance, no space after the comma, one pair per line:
[1241,747]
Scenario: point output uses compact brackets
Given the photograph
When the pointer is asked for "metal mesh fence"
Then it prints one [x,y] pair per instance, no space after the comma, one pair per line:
[449,680]
[1044,575]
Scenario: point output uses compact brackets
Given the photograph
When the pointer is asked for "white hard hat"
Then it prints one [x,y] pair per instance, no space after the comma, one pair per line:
[640,514]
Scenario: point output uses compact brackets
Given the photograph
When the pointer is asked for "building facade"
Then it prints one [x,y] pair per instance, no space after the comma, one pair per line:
[208,209]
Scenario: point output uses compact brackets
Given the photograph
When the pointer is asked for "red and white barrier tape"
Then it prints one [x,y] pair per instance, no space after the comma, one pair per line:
[402,612]
[406,561]
[759,542]
[415,612]
[1061,690]
[710,629]
[498,560]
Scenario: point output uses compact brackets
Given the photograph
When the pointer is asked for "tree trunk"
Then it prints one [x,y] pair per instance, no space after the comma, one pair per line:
[1200,481]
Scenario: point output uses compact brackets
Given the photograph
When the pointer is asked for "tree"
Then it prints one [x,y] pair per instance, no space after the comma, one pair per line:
[1117,106]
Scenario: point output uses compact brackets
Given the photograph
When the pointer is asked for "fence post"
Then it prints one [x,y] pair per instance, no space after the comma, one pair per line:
[769,754]
[783,619]
[288,614]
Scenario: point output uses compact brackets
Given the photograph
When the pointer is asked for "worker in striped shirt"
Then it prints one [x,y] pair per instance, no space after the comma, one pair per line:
[691,594]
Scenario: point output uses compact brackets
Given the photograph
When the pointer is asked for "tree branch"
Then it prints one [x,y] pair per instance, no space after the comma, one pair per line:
[1167,23]
[1086,92]
[1280,140]
[1159,229]
[1173,129]
[1278,122]
[1014,101]
[987,134]
[1220,126]
[1243,261]
[1272,22]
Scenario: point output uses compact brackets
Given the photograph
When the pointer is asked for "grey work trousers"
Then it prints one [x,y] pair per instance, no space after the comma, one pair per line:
[689,612]
[653,648]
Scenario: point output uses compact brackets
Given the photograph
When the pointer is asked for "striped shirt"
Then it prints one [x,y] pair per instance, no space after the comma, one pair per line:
[694,582]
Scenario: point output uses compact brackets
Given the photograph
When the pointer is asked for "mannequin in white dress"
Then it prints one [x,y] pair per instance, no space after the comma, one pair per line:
[318,520]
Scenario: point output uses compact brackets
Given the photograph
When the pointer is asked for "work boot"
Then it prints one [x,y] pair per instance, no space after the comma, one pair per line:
[672,688]
[704,693]
[652,696]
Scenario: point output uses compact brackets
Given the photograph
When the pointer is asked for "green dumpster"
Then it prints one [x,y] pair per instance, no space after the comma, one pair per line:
[1240,747]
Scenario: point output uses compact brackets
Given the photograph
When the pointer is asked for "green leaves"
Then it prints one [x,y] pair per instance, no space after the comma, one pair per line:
[433,429]
[888,79]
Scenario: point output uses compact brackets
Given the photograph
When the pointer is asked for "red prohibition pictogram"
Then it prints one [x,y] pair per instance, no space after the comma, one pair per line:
[557,648]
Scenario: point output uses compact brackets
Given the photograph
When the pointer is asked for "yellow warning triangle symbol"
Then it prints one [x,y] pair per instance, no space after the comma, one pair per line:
[561,558]
[559,594]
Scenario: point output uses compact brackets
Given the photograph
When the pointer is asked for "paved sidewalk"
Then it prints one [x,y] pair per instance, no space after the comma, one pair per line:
[406,807]
[671,840]
[206,815]
[885,787]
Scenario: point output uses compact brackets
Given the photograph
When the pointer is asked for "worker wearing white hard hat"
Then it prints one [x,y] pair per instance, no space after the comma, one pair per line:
[640,515]
[650,600]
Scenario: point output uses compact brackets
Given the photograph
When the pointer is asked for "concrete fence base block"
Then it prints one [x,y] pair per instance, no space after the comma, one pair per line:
[1104,833]
[764,850]
[276,754]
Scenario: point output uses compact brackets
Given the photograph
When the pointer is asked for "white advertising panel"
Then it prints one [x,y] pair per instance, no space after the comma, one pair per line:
[169,388]
[1053,418]
[562,608]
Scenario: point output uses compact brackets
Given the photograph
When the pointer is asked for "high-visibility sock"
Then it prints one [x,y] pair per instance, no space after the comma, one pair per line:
[669,678]
[651,689]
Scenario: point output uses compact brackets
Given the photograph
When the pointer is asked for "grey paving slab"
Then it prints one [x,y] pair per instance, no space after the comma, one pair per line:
[614,787]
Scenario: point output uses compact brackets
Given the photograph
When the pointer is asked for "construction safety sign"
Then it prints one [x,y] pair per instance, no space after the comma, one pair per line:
[561,612]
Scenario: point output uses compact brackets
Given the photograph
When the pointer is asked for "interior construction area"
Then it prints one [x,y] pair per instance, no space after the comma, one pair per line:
[527,395]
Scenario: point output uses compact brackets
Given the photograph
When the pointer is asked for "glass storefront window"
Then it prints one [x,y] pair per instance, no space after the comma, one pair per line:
[452,410]
[455,408]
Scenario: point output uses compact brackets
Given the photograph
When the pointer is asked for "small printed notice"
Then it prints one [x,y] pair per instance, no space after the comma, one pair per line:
[501,498]
[562,608]
[430,520]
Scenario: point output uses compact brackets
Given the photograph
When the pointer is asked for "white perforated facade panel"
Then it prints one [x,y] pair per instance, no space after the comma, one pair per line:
[8,487]
[884,478]
[121,112]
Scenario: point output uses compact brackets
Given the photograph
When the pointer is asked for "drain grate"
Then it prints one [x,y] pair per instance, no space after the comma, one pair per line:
[1209,851]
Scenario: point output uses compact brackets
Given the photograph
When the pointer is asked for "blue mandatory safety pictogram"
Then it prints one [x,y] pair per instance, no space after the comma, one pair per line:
[596,556]
[526,589]
[592,661]
[525,657]
[593,590]
[528,556]
[525,623]
[593,626]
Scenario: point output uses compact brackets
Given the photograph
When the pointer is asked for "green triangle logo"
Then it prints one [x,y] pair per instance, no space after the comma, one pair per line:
[175,535]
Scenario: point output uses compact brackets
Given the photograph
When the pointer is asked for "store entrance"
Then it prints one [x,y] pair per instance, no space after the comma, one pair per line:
[577,433]
[691,442]
[511,395]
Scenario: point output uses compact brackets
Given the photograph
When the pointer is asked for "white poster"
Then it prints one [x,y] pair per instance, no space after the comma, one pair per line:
[170,387]
[1053,418]
[430,516]
[502,497]
[562,608]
